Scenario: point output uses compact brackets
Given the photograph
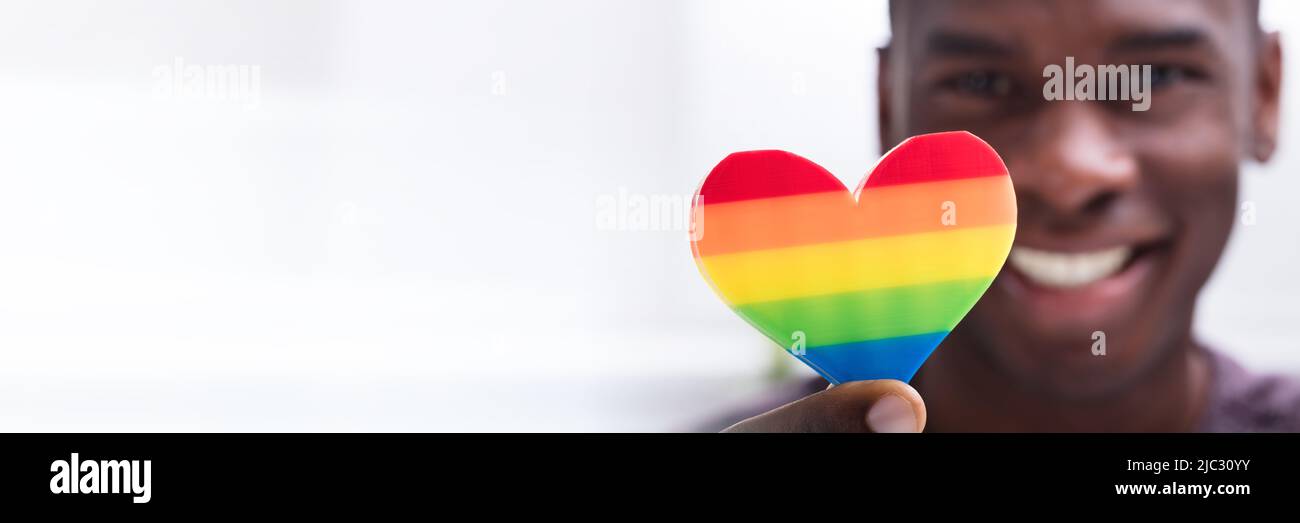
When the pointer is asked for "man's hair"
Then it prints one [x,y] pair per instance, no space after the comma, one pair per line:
[896,12]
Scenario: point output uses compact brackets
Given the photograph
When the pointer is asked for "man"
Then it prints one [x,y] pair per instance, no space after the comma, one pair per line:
[1123,215]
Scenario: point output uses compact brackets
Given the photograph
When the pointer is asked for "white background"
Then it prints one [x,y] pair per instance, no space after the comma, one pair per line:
[401,235]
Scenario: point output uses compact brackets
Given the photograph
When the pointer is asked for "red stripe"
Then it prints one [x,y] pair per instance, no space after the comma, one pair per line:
[936,157]
[765,174]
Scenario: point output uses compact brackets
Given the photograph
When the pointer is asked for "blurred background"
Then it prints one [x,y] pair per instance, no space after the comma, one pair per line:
[423,216]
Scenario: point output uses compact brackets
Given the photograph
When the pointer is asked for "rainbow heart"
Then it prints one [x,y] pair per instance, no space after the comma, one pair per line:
[865,285]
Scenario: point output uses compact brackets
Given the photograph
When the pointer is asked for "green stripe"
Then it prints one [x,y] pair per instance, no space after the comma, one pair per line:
[872,314]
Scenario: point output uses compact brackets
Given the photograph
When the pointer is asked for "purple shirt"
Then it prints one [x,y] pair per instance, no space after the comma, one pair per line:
[1239,400]
[1242,401]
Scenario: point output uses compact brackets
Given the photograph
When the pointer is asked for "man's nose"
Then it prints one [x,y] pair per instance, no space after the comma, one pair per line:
[1075,163]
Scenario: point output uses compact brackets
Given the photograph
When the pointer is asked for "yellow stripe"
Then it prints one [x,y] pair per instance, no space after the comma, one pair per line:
[872,263]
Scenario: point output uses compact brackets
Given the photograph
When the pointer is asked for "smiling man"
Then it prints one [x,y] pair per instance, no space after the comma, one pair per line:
[1123,215]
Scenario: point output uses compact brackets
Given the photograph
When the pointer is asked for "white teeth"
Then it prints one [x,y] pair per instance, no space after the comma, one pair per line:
[1058,269]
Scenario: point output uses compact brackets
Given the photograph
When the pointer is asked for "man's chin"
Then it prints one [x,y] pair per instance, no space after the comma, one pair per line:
[1077,374]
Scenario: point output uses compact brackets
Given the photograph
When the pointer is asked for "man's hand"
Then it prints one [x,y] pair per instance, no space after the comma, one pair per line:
[859,406]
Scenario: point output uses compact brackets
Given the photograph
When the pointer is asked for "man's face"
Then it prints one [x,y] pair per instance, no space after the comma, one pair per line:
[1123,214]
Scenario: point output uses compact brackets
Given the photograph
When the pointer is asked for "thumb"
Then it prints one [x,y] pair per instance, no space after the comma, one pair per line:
[858,406]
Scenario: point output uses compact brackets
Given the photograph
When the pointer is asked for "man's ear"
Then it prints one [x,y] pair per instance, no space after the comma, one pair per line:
[884,117]
[1268,94]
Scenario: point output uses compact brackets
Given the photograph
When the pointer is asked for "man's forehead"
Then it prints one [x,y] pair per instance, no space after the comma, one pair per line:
[920,25]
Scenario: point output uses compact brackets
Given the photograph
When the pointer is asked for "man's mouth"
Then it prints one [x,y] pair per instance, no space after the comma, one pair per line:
[1070,286]
[1066,270]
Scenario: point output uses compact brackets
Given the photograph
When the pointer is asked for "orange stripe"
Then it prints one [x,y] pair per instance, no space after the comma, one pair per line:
[832,217]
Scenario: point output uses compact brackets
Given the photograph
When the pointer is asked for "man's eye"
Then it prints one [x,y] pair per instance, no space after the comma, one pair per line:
[980,83]
[1167,75]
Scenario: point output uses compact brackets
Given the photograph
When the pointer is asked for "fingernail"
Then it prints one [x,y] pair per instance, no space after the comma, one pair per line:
[891,414]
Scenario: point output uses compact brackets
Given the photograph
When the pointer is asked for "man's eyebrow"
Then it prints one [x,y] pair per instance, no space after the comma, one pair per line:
[1176,38]
[954,43]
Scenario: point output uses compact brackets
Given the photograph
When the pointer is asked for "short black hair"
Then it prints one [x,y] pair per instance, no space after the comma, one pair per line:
[895,13]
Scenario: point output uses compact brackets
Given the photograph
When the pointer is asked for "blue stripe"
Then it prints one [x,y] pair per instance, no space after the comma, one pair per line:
[888,358]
